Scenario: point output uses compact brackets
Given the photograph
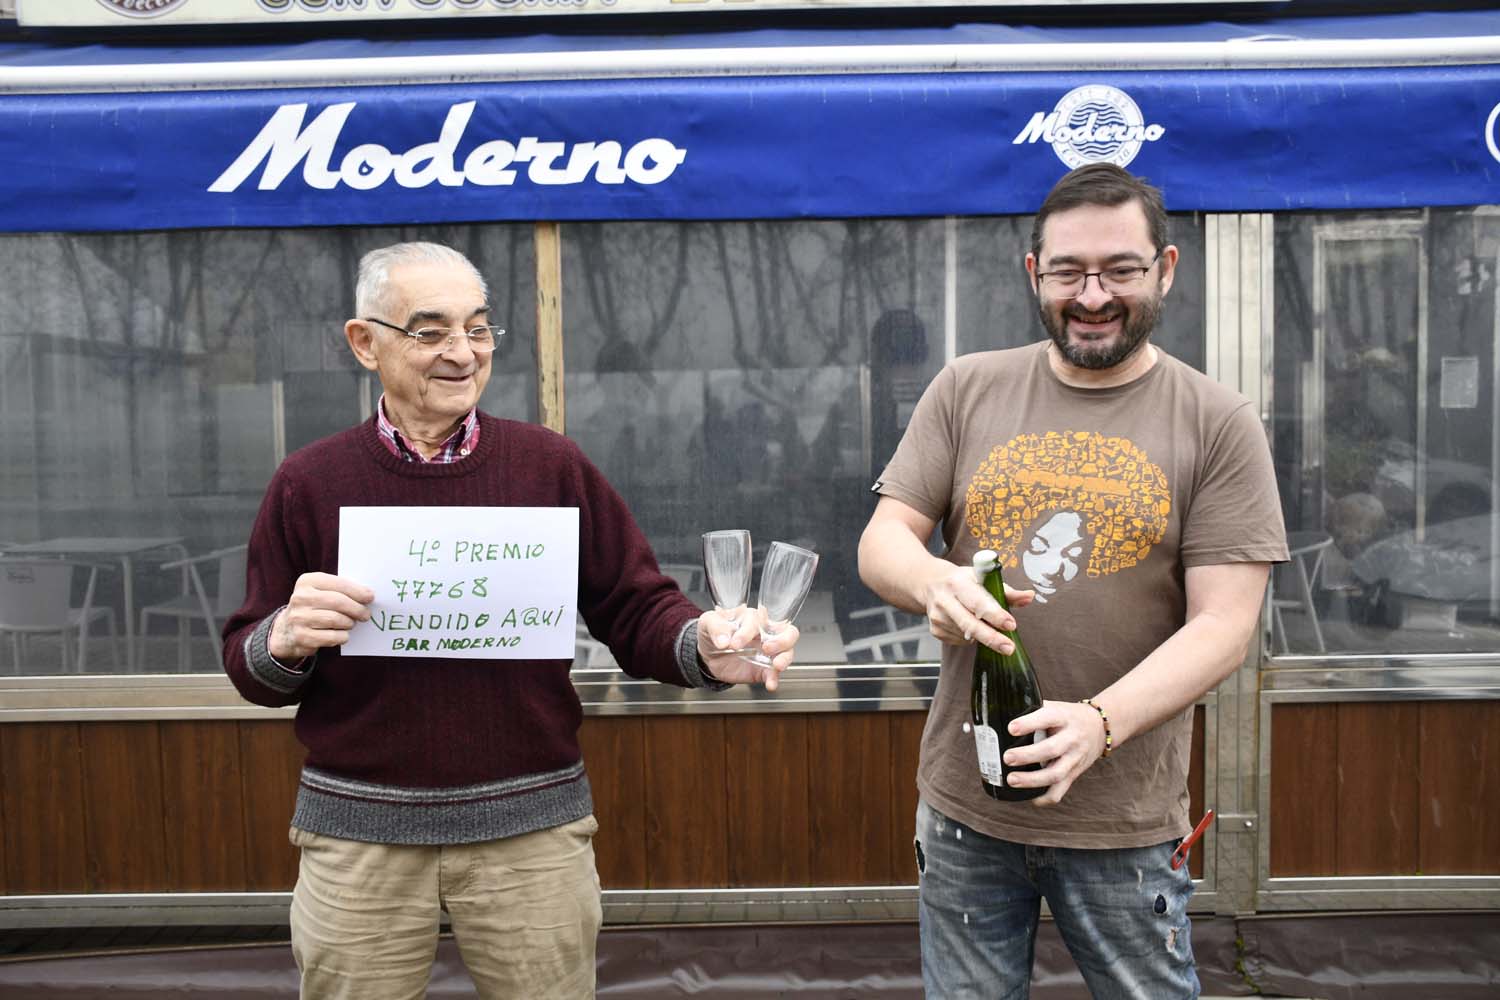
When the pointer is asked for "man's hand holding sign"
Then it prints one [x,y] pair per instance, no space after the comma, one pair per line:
[322,610]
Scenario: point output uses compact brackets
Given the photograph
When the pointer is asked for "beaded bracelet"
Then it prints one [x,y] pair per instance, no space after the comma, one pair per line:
[1109,739]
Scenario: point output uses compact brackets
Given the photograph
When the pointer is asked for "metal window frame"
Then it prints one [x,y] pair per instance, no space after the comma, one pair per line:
[1237,352]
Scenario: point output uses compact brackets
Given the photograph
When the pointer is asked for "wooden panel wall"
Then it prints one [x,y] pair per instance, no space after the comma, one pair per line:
[1196,789]
[147,806]
[42,770]
[754,800]
[697,801]
[1385,788]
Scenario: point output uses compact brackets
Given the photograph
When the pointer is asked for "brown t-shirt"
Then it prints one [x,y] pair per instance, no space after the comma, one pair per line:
[1099,499]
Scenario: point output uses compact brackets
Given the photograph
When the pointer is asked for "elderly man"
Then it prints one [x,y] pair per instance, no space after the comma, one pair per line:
[447,784]
[1136,497]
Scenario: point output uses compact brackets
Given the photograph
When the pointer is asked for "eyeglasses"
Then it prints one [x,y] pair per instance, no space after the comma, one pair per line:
[1069,283]
[437,339]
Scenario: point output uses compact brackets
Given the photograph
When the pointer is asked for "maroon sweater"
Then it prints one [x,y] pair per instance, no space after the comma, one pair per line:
[433,751]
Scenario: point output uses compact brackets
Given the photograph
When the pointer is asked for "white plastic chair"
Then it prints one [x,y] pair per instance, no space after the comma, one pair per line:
[884,612]
[915,642]
[36,597]
[195,603]
[1306,550]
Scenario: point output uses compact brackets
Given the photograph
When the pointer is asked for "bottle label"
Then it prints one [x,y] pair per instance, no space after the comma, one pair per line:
[987,742]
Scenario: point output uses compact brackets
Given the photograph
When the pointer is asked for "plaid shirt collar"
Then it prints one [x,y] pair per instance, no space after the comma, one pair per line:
[459,444]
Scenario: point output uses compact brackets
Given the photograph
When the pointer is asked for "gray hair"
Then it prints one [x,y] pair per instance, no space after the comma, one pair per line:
[373,288]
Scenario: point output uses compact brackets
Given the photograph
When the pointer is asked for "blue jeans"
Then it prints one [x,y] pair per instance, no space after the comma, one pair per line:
[1122,914]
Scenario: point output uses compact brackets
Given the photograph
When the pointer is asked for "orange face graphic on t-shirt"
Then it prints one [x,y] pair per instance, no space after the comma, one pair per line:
[1042,500]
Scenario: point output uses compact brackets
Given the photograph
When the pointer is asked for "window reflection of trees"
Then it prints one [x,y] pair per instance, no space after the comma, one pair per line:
[152,376]
[735,361]
[747,372]
[786,294]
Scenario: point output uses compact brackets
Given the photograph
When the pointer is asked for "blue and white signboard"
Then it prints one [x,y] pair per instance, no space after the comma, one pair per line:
[899,144]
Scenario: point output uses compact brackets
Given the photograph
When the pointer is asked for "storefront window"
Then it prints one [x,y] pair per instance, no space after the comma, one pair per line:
[755,375]
[149,385]
[760,374]
[1384,432]
[721,374]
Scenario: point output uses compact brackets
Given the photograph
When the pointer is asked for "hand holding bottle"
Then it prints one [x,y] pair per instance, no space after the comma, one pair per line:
[960,611]
[1073,738]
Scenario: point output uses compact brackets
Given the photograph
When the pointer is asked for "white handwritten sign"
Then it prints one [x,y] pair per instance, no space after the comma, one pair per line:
[472,582]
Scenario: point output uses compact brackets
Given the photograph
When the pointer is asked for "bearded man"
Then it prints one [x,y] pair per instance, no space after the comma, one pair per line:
[1093,449]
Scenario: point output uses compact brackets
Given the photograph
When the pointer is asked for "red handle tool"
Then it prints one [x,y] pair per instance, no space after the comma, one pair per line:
[1180,856]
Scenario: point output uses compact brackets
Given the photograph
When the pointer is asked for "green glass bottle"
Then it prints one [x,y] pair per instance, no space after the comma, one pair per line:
[1004,687]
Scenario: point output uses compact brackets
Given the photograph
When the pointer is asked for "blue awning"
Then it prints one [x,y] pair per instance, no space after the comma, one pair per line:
[1371,112]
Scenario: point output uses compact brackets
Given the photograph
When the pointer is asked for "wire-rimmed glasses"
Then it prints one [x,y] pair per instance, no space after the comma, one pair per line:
[726,565]
[1121,279]
[482,337]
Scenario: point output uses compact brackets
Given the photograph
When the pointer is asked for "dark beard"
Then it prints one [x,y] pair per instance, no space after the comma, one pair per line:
[1140,314]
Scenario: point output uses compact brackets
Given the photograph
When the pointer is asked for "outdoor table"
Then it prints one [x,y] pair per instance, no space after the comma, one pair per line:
[123,549]
[1452,561]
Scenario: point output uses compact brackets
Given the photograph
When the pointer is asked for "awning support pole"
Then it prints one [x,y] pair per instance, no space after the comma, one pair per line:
[549,335]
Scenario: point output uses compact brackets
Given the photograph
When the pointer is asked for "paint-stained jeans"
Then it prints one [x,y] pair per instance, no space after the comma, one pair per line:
[1122,914]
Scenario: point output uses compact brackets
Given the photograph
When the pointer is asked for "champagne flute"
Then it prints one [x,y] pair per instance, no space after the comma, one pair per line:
[726,565]
[785,581]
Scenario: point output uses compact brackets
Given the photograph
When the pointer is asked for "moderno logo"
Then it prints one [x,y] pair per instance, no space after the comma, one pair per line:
[284,144]
[1092,124]
[141,8]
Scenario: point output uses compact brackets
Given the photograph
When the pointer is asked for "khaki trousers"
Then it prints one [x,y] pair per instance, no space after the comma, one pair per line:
[525,913]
